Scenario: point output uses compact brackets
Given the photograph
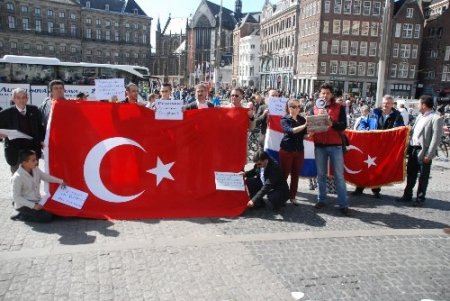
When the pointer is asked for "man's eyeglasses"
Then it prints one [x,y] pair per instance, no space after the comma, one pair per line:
[295,107]
[235,95]
[165,91]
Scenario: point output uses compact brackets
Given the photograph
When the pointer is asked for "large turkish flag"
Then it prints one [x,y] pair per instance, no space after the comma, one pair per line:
[133,166]
[376,158]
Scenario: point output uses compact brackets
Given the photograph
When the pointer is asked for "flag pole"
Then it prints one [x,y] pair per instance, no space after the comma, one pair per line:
[383,53]
[218,54]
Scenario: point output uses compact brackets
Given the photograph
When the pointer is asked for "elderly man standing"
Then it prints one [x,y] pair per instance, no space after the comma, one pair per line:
[26,119]
[386,117]
[425,138]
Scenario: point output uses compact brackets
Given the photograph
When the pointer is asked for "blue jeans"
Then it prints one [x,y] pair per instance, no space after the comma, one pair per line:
[337,162]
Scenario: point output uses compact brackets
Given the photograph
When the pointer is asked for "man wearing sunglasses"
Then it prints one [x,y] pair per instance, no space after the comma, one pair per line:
[236,96]
[266,178]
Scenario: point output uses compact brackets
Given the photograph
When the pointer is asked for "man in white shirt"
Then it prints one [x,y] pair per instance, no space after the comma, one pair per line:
[404,112]
[425,138]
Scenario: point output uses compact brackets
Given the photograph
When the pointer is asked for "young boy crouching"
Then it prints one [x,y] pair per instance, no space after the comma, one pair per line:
[26,189]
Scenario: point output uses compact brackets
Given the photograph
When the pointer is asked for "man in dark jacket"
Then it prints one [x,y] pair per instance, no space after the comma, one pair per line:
[266,178]
[26,119]
[383,118]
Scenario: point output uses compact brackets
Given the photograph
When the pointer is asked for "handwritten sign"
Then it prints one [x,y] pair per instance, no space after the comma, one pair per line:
[317,123]
[70,196]
[229,181]
[168,109]
[277,106]
[105,88]
[14,134]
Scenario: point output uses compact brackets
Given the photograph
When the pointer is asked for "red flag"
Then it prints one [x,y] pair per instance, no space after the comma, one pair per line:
[376,158]
[133,166]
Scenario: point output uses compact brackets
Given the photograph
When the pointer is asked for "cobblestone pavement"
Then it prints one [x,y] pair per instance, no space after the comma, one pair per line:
[385,251]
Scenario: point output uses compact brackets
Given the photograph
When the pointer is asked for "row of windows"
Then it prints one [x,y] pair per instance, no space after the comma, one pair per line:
[310,9]
[278,44]
[114,36]
[108,23]
[355,28]
[247,57]
[350,47]
[61,49]
[446,73]
[38,26]
[403,70]
[309,28]
[349,68]
[405,51]
[346,7]
[279,26]
[38,11]
[246,71]
[407,30]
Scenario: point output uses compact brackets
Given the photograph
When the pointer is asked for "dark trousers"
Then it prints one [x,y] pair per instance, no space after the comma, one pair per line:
[37,216]
[276,197]
[415,168]
[374,190]
[291,163]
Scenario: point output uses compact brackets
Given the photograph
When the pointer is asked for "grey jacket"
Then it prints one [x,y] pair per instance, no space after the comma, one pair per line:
[432,133]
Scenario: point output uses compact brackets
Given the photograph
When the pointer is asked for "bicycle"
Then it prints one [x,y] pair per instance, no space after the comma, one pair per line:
[444,145]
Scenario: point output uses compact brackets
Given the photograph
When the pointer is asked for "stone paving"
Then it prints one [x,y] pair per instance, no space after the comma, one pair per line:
[385,251]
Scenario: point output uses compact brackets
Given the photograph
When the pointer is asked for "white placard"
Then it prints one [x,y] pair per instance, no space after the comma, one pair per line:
[6,93]
[277,106]
[71,91]
[14,134]
[106,88]
[169,109]
[70,196]
[38,94]
[229,181]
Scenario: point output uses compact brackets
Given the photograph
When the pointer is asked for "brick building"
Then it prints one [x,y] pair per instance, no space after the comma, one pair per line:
[100,31]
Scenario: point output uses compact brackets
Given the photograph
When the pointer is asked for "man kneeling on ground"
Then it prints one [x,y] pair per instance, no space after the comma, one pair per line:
[266,178]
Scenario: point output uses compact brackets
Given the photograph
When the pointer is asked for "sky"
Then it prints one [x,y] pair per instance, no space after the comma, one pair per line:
[184,8]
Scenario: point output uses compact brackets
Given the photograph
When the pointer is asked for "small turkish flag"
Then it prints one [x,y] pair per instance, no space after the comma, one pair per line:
[376,158]
[133,166]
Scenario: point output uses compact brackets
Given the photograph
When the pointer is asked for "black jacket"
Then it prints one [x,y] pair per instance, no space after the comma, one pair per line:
[193,105]
[292,142]
[9,119]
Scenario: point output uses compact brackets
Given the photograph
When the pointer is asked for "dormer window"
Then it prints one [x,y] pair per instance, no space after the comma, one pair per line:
[135,11]
[107,7]
[88,4]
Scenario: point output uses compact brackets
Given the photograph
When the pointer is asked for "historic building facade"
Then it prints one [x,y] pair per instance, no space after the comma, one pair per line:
[279,26]
[100,31]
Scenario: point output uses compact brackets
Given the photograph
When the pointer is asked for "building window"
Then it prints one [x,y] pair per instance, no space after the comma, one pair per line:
[107,23]
[366,8]
[62,14]
[398,29]
[50,13]
[144,39]
[88,33]
[343,68]
[51,48]
[416,31]
[13,45]
[415,49]
[355,28]
[344,47]
[373,49]
[337,6]
[352,68]
[99,52]
[326,25]
[447,53]
[407,30]
[433,54]
[337,27]
[73,16]
[11,22]
[393,73]
[412,71]
[327,7]
[361,69]
[9,7]
[127,36]
[25,24]
[365,28]
[73,49]
[127,25]
[98,34]
[323,67]
[135,11]
[374,29]
[403,71]
[50,27]
[346,27]
[395,50]
[62,49]
[38,25]
[136,26]
[88,4]
[354,48]
[357,7]
[116,24]
[116,36]
[376,8]
[62,28]
[98,22]
[24,9]
[108,35]
[39,47]
[363,48]
[405,51]
[107,7]
[37,11]
[347,7]
[73,30]
[446,73]
[335,47]
[409,12]
[370,69]
[333,67]
[26,46]
[324,47]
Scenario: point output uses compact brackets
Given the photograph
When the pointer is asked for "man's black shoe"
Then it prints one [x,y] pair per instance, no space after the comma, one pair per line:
[403,200]
[377,195]
[16,216]
[319,205]
[417,204]
[345,211]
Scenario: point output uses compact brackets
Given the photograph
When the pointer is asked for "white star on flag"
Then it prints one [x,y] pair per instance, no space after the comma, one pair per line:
[161,171]
[370,161]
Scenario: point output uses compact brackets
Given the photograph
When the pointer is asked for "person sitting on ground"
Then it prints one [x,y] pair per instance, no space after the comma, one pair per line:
[25,190]
[266,178]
